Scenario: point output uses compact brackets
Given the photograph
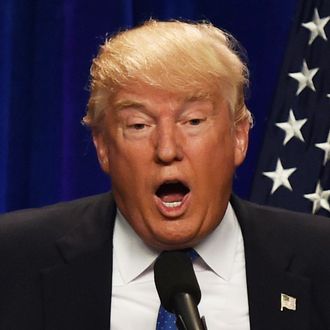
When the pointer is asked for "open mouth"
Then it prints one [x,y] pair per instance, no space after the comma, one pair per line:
[172,194]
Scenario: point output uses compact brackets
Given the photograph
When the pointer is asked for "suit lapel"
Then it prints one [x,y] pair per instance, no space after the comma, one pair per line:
[77,293]
[269,274]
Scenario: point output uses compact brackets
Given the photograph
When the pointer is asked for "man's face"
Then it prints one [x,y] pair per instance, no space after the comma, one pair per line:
[171,161]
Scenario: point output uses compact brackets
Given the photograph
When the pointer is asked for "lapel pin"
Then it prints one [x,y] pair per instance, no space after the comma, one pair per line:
[288,302]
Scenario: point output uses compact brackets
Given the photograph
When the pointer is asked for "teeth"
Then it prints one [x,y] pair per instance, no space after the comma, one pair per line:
[172,204]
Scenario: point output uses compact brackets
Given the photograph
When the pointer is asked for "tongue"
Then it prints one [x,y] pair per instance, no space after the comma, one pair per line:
[172,197]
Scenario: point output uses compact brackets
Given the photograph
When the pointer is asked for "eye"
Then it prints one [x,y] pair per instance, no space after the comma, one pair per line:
[195,121]
[138,126]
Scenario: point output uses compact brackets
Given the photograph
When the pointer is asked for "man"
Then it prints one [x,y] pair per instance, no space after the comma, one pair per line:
[170,126]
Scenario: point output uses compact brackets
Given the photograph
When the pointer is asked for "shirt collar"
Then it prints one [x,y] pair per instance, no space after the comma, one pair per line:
[217,250]
[132,255]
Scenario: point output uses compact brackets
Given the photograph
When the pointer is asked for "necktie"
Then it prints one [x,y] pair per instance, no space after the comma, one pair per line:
[165,319]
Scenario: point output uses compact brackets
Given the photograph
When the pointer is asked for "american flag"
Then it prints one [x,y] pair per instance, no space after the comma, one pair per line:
[293,171]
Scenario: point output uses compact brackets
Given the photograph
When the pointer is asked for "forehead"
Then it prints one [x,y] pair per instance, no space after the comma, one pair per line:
[144,96]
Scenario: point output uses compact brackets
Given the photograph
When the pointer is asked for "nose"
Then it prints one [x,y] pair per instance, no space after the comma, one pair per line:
[168,144]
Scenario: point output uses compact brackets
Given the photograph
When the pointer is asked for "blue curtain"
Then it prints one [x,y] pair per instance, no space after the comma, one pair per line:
[45,54]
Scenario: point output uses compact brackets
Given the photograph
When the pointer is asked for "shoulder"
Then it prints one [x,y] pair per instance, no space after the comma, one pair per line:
[268,216]
[282,230]
[51,222]
[76,205]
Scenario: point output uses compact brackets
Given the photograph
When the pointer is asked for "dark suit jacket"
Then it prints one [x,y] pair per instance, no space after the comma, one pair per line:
[56,266]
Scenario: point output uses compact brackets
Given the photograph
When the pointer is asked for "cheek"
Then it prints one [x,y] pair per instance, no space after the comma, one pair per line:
[218,150]
[121,152]
[130,167]
[215,164]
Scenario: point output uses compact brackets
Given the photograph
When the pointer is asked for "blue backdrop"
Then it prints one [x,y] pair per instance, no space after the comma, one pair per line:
[46,51]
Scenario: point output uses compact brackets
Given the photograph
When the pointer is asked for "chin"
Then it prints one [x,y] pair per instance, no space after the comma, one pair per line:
[175,243]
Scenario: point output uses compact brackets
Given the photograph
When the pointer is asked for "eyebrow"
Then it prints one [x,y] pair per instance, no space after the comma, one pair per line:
[197,98]
[127,103]
[120,105]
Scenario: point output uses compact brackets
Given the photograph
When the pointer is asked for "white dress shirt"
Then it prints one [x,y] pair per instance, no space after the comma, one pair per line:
[220,273]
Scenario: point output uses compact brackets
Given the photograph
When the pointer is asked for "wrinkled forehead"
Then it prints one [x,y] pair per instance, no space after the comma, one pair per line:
[139,93]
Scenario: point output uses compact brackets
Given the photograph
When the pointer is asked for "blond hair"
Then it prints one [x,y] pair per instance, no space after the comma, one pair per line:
[192,59]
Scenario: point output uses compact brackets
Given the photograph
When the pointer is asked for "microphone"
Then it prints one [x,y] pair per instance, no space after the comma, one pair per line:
[178,289]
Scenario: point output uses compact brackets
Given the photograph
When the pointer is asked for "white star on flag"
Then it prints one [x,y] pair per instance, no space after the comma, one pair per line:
[292,128]
[316,26]
[304,78]
[320,198]
[280,176]
[326,148]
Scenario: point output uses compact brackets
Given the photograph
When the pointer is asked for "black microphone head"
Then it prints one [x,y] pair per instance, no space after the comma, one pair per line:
[174,274]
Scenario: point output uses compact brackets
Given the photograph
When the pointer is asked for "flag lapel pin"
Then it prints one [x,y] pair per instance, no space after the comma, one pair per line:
[288,302]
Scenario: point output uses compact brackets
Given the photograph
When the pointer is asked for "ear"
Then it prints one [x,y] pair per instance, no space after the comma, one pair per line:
[241,132]
[102,151]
